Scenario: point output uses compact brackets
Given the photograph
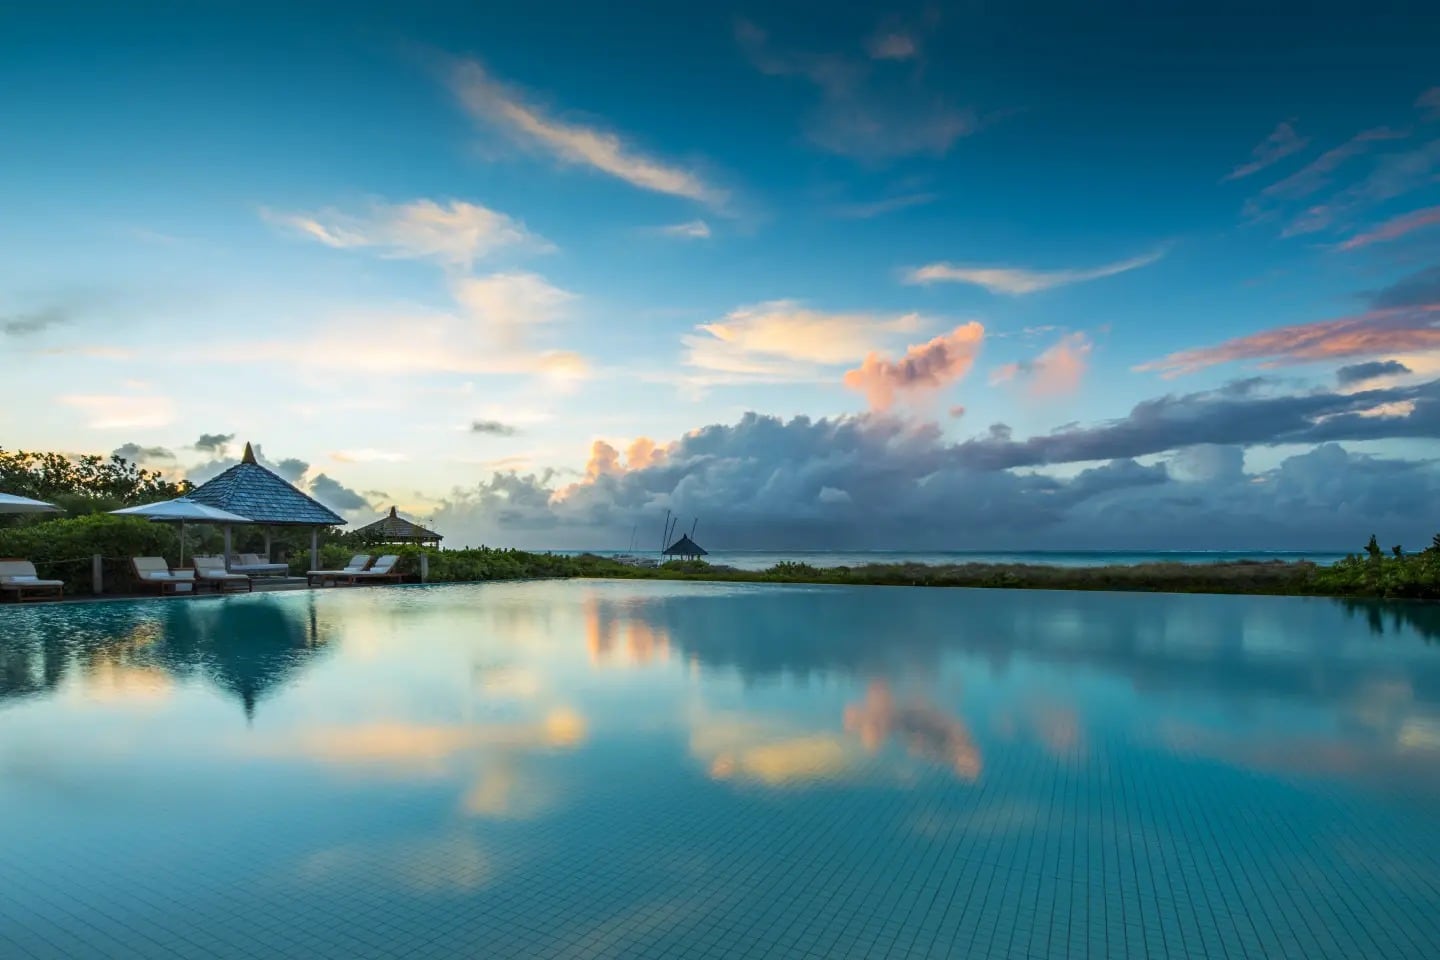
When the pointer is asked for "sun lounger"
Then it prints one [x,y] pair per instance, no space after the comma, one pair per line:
[19,577]
[253,565]
[384,569]
[211,570]
[154,573]
[357,564]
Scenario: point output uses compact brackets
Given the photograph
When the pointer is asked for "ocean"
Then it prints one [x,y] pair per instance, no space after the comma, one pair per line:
[764,559]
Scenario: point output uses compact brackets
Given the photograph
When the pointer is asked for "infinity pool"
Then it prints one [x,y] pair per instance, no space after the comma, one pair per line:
[637,770]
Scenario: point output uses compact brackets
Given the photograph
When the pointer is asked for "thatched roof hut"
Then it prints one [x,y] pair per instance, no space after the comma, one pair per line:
[686,549]
[396,529]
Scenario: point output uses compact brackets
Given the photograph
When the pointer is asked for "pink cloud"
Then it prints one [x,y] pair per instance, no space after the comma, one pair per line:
[1397,227]
[1056,372]
[1281,142]
[1368,334]
[924,367]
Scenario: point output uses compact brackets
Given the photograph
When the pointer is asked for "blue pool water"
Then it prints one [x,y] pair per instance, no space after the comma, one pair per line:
[594,769]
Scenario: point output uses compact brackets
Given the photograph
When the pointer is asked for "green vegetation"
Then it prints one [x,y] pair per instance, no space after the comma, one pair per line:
[81,485]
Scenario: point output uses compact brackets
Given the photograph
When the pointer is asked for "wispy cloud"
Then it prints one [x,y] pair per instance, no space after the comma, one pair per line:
[509,111]
[864,112]
[368,455]
[1428,103]
[33,322]
[1017,281]
[1393,176]
[123,411]
[924,368]
[456,233]
[1281,143]
[877,208]
[1382,331]
[1056,372]
[785,340]
[1394,228]
[690,230]
[892,45]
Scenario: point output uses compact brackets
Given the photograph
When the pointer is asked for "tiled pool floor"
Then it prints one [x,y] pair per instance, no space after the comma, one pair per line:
[692,771]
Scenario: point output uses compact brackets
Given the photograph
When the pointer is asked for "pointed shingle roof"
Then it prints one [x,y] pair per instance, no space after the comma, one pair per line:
[254,492]
[396,529]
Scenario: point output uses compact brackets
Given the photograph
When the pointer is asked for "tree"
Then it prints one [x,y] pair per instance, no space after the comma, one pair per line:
[1373,548]
[84,484]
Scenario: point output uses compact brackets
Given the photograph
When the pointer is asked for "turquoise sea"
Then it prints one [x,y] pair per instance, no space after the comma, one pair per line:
[763,559]
[647,769]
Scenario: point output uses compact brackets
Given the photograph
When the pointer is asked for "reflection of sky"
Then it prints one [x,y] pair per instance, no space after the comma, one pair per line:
[478,742]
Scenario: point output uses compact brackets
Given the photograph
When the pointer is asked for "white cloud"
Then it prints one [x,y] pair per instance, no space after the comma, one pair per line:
[785,340]
[1017,281]
[368,455]
[506,109]
[115,412]
[456,234]
[692,230]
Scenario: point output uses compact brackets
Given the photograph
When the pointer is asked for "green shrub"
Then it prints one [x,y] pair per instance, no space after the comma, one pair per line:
[62,549]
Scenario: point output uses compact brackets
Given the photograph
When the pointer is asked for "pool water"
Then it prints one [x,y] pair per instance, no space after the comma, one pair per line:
[617,769]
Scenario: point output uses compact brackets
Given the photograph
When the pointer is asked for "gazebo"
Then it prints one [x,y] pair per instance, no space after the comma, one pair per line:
[686,549]
[396,529]
[263,497]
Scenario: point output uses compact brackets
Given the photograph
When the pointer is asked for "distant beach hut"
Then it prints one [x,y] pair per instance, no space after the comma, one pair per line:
[396,529]
[686,549]
[266,498]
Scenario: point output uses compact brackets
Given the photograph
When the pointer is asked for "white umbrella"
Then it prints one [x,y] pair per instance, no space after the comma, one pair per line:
[9,503]
[183,510]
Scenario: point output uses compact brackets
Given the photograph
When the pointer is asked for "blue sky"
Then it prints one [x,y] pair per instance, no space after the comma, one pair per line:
[412,249]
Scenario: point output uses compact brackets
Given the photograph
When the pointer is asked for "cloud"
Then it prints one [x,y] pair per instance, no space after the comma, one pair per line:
[368,455]
[455,234]
[292,469]
[33,322]
[493,330]
[1056,372]
[785,340]
[892,45]
[1017,281]
[123,411]
[690,230]
[1281,143]
[924,368]
[1421,289]
[336,495]
[924,729]
[1360,372]
[761,482]
[1394,228]
[1429,103]
[1393,176]
[508,111]
[214,442]
[877,208]
[1319,173]
[1394,330]
[137,454]
[869,111]
[493,428]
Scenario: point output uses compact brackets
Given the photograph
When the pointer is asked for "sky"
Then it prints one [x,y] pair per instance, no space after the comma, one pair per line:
[933,276]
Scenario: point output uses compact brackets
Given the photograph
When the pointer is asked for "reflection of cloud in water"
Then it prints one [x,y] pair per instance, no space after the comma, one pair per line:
[923,728]
[622,635]
[407,748]
[749,751]
[426,865]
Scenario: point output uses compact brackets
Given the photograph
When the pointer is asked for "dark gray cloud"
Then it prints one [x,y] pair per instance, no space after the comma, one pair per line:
[214,442]
[291,468]
[493,428]
[1419,289]
[1360,372]
[336,495]
[33,322]
[883,482]
[135,453]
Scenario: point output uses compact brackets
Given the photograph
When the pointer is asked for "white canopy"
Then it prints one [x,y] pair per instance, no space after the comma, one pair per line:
[182,509]
[9,503]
